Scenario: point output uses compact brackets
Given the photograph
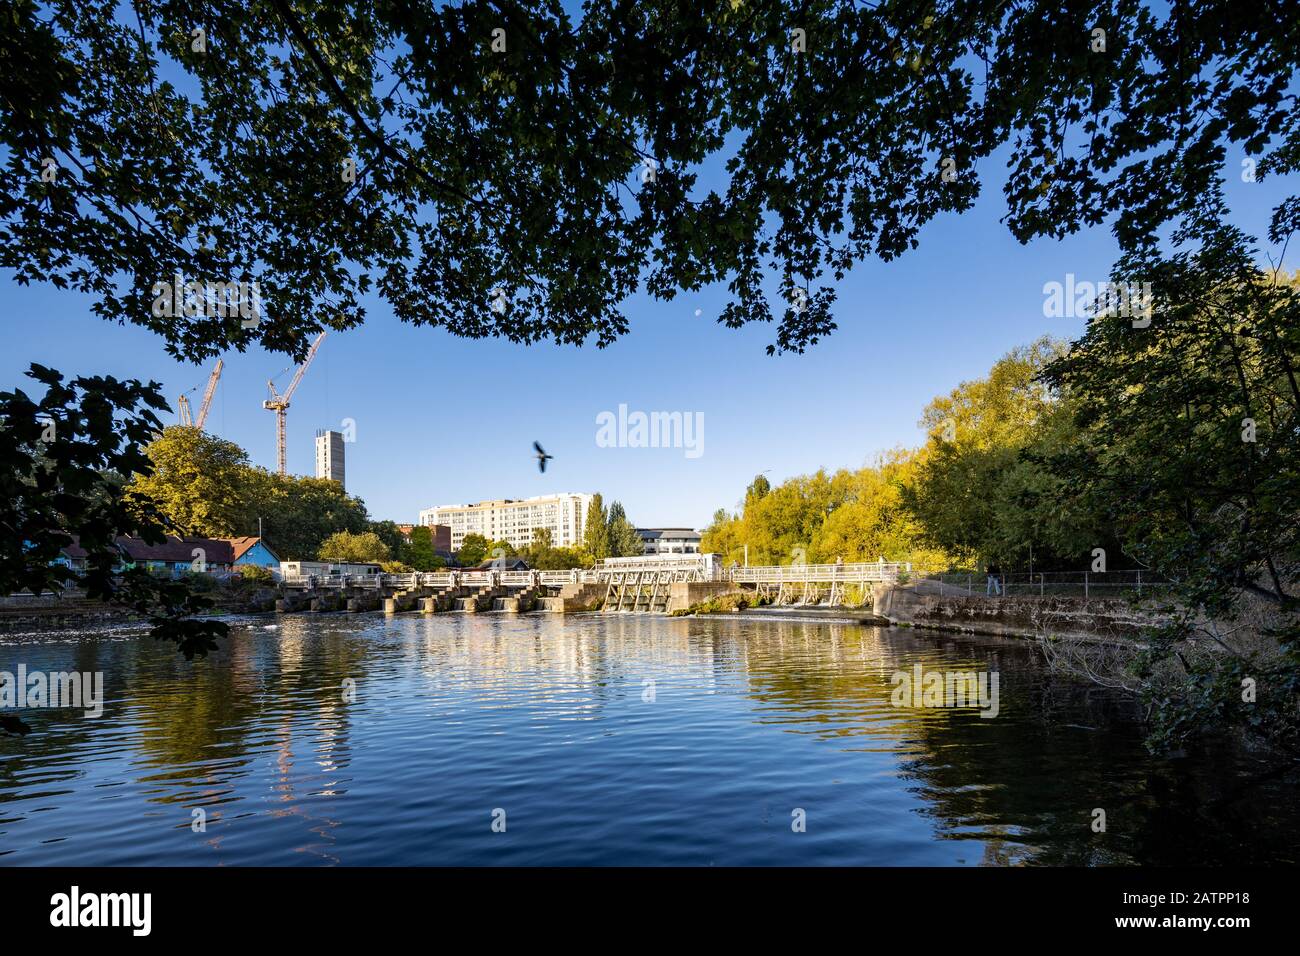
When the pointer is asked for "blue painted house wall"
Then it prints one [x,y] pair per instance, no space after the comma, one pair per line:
[261,555]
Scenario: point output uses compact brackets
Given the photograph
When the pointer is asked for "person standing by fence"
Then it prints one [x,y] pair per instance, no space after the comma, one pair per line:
[994,584]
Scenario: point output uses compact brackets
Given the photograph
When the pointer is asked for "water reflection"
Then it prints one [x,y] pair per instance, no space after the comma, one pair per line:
[615,739]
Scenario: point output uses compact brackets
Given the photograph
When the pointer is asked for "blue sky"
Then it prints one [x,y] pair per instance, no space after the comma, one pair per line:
[441,420]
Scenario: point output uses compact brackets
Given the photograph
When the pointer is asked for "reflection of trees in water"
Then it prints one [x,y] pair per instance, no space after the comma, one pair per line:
[1023,784]
[284,678]
[1079,748]
[284,686]
[196,729]
[1020,787]
[53,752]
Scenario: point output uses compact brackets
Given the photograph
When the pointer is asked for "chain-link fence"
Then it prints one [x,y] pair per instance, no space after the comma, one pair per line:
[1109,584]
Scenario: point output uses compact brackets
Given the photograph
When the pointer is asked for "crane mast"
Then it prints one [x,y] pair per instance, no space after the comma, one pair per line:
[280,404]
[207,395]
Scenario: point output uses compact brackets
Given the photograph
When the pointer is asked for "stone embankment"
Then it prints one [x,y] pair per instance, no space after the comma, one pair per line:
[932,604]
[936,605]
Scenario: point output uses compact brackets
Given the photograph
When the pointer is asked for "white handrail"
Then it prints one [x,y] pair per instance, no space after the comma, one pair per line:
[702,567]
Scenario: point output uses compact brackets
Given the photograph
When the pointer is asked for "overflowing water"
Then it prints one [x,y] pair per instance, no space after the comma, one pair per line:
[616,739]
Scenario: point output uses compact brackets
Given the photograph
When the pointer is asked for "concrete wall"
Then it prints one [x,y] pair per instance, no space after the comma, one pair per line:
[575,597]
[682,594]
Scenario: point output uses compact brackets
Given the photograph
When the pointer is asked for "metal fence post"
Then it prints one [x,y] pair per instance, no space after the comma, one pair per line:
[1085,585]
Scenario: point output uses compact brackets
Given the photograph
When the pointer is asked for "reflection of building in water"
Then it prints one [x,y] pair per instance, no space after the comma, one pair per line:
[325,739]
[581,663]
[301,696]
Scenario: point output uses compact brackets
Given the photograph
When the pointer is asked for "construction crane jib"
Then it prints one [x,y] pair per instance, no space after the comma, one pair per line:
[280,403]
[183,403]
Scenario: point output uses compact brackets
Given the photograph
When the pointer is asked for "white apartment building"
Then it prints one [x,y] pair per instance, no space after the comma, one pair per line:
[515,520]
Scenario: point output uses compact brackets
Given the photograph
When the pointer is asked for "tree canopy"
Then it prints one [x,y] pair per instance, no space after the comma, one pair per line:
[418,552]
[982,488]
[624,542]
[202,483]
[508,169]
[473,549]
[205,485]
[344,547]
[595,529]
[854,515]
[1188,447]
[544,556]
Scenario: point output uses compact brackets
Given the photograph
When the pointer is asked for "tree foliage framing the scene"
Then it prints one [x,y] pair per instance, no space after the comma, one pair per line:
[524,183]
[63,462]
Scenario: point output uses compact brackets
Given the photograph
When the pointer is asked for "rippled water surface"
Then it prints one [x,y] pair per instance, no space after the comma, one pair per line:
[605,740]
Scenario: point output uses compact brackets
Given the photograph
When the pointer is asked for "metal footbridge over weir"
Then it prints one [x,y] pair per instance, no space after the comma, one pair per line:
[629,584]
[643,583]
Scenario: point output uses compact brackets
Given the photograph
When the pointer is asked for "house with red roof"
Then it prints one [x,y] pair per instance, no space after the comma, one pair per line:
[177,555]
[253,550]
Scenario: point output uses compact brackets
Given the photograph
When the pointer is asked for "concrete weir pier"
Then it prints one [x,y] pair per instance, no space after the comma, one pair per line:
[656,584]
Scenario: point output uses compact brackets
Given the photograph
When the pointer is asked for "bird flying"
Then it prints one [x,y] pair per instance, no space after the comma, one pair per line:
[541,456]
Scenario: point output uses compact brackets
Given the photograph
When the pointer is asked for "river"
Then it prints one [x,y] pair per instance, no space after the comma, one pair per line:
[602,739]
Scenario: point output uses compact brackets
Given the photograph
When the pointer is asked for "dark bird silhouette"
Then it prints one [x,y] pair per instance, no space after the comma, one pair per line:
[541,456]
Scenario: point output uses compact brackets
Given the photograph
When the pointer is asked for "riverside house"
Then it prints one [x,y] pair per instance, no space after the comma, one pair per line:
[253,550]
[177,556]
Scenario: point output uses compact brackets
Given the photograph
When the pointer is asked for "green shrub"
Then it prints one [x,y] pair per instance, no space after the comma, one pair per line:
[200,581]
[255,574]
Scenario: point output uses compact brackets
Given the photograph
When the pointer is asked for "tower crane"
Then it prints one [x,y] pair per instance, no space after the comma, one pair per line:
[280,403]
[183,403]
[207,395]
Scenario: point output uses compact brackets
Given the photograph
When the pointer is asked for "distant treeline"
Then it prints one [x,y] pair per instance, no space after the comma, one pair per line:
[983,488]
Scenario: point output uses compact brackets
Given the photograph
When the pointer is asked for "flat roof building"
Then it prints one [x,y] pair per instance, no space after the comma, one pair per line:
[670,540]
[515,520]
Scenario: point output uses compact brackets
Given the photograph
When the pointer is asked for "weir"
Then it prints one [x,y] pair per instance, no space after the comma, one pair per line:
[647,584]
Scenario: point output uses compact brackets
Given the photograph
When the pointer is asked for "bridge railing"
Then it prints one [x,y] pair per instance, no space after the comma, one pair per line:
[658,561]
[704,567]
[333,580]
[707,567]
[441,579]
[1134,583]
